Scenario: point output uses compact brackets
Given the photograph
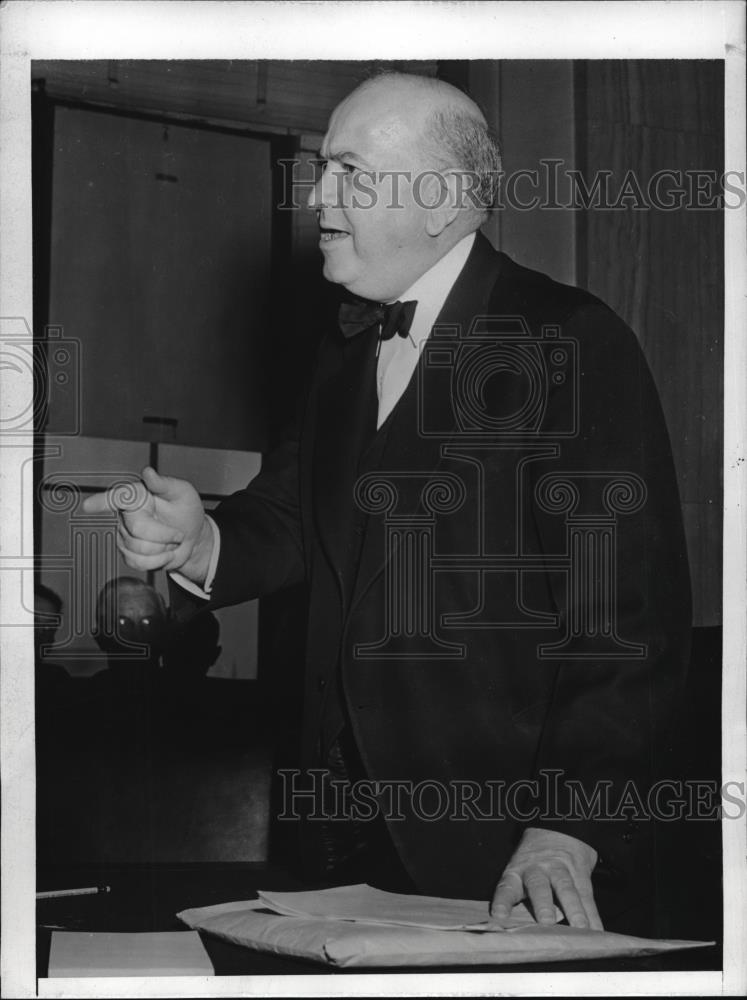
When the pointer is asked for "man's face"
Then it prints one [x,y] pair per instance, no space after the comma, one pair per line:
[371,247]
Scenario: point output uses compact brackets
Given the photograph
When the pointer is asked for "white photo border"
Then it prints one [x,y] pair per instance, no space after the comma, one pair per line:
[150,29]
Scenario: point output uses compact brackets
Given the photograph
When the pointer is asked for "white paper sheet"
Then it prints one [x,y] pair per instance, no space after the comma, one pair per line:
[108,953]
[374,906]
[350,943]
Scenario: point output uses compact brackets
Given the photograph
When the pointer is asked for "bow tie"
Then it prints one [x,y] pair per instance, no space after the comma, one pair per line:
[355,317]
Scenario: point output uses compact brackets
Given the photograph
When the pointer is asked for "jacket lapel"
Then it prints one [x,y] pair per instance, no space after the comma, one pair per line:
[406,450]
[346,418]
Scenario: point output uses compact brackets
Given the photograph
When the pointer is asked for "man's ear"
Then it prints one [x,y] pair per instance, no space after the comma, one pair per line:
[440,196]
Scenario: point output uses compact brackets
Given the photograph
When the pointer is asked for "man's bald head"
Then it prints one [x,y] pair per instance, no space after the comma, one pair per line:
[420,94]
[410,169]
[446,126]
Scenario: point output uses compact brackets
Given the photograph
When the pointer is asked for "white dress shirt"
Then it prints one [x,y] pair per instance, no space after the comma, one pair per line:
[398,358]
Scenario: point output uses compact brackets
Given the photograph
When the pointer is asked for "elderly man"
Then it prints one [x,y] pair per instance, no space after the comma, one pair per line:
[480,494]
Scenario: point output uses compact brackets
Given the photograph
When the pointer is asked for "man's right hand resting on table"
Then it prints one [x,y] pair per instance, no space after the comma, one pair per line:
[163,526]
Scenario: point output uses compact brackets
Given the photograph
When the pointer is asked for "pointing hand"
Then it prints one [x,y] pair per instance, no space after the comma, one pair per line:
[162,524]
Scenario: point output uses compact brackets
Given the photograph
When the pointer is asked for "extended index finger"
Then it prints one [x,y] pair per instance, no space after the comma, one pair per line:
[125,495]
[99,503]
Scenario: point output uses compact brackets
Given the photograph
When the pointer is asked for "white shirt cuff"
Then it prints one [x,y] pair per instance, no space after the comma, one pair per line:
[207,586]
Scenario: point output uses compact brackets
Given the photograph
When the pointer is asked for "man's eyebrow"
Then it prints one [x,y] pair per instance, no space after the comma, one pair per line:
[342,157]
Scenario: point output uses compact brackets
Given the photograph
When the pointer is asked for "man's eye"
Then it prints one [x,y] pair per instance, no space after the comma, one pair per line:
[339,166]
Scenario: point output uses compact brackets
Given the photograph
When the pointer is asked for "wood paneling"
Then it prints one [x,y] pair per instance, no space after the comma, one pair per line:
[274,94]
[536,126]
[662,271]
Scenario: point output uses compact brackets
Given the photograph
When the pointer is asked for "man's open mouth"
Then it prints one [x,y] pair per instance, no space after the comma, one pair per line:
[327,233]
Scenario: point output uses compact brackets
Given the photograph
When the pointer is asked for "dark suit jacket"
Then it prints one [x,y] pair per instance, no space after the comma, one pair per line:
[469,691]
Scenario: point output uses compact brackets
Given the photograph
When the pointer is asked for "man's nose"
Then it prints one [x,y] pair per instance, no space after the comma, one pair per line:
[324,193]
[314,199]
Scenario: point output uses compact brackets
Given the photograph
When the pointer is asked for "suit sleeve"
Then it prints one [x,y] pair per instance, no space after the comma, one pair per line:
[261,527]
[261,538]
[606,727]
[260,530]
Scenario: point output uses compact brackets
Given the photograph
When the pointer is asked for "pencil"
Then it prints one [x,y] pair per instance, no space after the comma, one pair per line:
[90,890]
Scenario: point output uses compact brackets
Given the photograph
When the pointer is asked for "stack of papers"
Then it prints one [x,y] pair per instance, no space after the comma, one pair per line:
[358,926]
